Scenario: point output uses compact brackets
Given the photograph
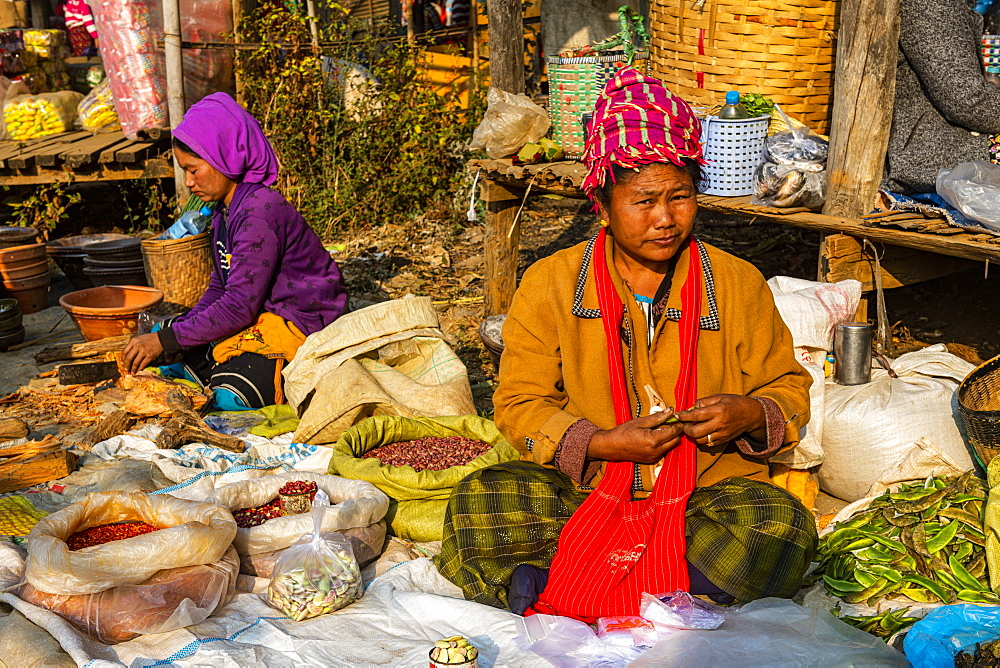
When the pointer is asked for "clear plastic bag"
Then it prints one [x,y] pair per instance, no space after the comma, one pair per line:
[191,534]
[974,189]
[355,503]
[627,631]
[510,122]
[97,110]
[367,543]
[784,186]
[569,643]
[33,116]
[317,576]
[793,172]
[681,610]
[171,599]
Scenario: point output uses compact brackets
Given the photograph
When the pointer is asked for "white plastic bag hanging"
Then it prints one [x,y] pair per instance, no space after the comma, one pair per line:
[974,189]
[318,575]
[510,122]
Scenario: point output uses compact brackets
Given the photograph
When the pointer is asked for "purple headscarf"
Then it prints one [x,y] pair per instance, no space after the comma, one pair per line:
[226,136]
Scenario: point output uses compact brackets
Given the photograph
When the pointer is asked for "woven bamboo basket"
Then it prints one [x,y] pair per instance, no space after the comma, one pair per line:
[979,404]
[784,50]
[575,83]
[180,268]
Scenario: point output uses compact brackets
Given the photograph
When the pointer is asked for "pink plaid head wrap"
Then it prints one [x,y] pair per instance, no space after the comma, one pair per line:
[637,121]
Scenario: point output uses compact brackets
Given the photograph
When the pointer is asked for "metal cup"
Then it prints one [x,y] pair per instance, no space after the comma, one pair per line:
[852,347]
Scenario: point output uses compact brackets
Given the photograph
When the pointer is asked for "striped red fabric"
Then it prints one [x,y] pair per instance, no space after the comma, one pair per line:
[613,548]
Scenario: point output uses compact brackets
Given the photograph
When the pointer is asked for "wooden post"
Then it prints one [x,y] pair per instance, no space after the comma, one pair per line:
[503,233]
[864,87]
[506,31]
[175,83]
[39,14]
[502,239]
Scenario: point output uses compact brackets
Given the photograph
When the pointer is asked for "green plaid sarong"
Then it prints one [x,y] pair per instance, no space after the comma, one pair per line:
[749,538]
[499,518]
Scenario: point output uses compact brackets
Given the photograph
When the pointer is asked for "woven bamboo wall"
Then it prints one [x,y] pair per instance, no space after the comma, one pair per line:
[782,49]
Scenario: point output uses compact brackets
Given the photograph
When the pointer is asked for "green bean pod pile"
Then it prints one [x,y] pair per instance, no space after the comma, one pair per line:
[923,543]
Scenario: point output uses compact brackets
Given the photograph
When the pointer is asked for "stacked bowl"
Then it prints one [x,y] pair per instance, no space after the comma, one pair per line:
[117,262]
[17,236]
[24,272]
[11,329]
[69,253]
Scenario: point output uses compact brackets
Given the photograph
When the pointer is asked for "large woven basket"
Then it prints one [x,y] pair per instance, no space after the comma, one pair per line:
[575,83]
[180,268]
[782,49]
[979,404]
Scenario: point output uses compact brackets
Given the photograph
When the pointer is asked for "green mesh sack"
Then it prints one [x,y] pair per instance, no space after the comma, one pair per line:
[424,494]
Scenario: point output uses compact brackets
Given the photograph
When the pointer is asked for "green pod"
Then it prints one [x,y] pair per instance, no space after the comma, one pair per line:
[938,542]
[882,593]
[918,595]
[970,535]
[864,577]
[976,596]
[912,495]
[885,542]
[948,580]
[876,554]
[977,567]
[840,587]
[900,520]
[922,504]
[929,585]
[860,596]
[962,516]
[963,551]
[890,574]
[963,576]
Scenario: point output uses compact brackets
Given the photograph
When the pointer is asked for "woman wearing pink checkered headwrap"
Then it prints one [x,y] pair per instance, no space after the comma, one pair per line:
[603,342]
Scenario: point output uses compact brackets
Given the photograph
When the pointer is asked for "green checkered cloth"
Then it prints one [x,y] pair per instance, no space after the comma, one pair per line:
[749,538]
[499,518]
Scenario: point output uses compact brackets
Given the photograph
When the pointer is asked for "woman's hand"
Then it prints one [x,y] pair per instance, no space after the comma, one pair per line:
[721,418]
[643,440]
[141,352]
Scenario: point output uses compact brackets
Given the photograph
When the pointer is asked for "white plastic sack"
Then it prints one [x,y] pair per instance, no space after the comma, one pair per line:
[812,310]
[353,503]
[510,122]
[809,451]
[774,632]
[974,189]
[909,426]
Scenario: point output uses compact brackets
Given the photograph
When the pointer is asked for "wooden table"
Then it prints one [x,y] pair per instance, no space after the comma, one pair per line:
[83,156]
[911,247]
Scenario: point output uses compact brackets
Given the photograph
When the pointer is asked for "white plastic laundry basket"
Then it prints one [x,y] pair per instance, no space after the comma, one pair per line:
[733,150]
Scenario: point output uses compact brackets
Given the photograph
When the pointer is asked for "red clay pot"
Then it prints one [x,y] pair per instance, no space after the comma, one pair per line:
[21,253]
[20,270]
[31,293]
[109,310]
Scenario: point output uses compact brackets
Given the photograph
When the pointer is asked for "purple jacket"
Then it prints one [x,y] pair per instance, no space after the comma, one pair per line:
[266,259]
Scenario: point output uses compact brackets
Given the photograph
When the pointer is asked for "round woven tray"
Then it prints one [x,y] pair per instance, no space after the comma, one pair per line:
[979,404]
[180,268]
[784,50]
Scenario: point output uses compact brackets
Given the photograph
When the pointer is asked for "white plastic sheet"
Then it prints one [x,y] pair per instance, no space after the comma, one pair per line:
[774,632]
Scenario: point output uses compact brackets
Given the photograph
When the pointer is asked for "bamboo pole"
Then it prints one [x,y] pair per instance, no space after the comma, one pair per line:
[175,83]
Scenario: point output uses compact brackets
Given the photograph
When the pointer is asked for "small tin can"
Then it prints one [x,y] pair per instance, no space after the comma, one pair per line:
[439,655]
[852,347]
[295,504]
[471,663]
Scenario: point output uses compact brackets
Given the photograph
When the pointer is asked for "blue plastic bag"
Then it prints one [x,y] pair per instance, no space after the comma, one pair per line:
[935,640]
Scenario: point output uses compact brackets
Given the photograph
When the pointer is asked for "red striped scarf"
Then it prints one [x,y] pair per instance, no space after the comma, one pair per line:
[613,548]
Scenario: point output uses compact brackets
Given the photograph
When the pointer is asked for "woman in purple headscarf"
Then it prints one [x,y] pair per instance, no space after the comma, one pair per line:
[272,284]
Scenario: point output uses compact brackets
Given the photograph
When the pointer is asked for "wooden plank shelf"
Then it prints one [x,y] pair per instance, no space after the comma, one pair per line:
[83,156]
[911,240]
